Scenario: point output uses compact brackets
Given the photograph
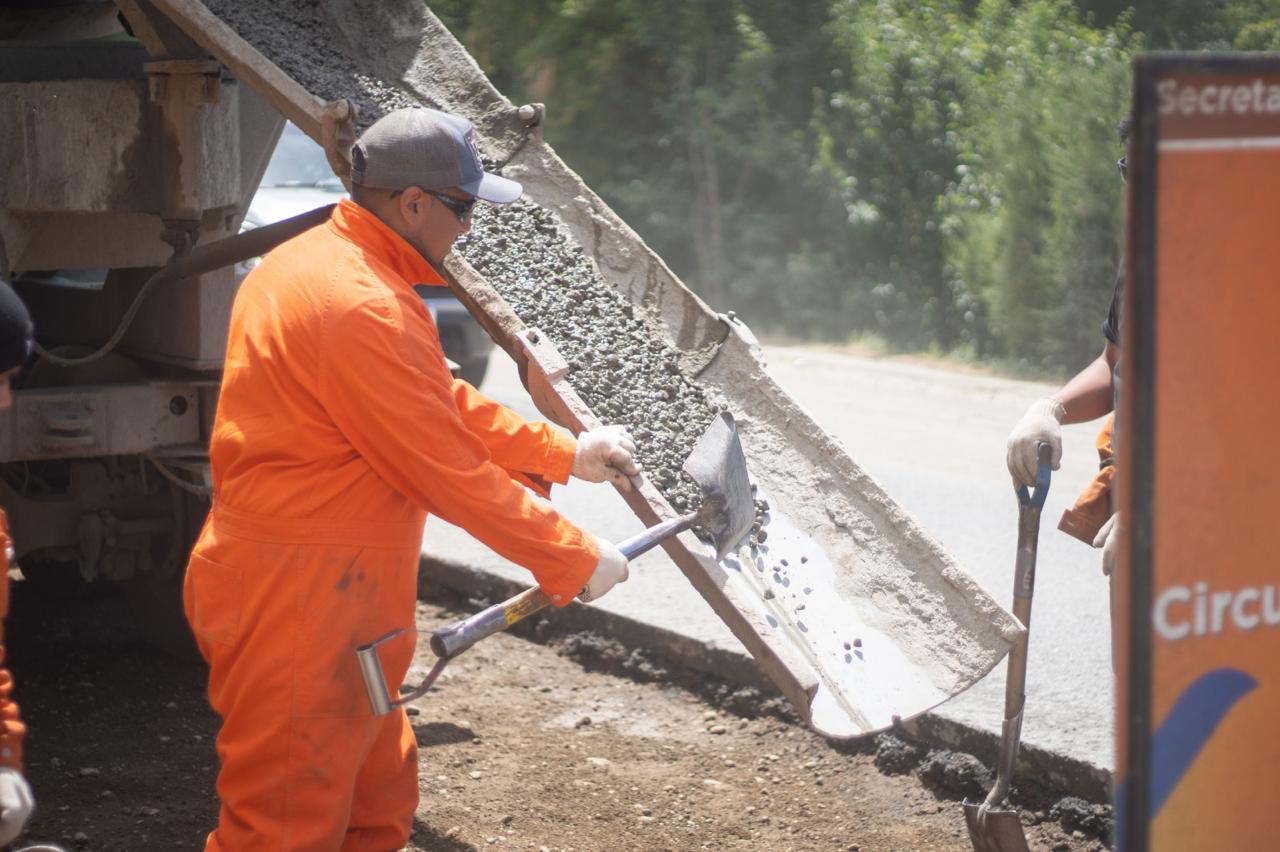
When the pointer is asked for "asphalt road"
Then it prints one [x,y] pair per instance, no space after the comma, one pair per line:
[934,438]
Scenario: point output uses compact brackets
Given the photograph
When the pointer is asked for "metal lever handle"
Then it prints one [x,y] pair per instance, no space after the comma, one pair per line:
[448,642]
[375,682]
[451,641]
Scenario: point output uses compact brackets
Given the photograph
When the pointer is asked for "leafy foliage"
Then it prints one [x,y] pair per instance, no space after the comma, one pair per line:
[939,174]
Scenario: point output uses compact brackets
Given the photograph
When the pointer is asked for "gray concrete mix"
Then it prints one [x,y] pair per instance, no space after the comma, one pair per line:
[934,438]
[622,366]
[298,36]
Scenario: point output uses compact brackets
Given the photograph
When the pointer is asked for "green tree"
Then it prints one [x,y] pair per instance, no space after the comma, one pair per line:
[1035,224]
[889,141]
[692,120]
[939,173]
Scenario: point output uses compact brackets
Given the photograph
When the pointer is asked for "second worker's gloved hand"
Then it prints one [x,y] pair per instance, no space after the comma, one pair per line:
[606,453]
[1042,424]
[1108,539]
[611,569]
[16,804]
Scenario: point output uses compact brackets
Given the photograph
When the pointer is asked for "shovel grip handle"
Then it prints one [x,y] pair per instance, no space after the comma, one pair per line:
[449,642]
[1044,472]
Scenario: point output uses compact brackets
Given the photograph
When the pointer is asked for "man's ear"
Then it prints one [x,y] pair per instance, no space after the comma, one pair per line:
[412,204]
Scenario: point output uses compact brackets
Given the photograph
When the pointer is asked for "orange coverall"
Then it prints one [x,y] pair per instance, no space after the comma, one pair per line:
[1093,507]
[338,429]
[11,728]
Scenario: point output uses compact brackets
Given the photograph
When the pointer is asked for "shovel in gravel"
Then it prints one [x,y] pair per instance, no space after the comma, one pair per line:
[993,828]
[727,512]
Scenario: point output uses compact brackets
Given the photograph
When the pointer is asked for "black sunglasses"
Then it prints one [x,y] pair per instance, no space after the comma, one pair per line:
[461,207]
[1123,165]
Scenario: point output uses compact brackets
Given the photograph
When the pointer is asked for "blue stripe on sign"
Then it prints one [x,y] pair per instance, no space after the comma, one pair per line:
[1184,733]
[1190,723]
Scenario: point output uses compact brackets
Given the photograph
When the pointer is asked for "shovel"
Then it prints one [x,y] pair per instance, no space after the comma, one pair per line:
[993,828]
[727,512]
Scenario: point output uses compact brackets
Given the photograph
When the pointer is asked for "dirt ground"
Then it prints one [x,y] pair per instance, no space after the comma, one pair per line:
[522,747]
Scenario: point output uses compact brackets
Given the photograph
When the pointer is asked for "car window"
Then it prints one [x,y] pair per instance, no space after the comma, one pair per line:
[299,161]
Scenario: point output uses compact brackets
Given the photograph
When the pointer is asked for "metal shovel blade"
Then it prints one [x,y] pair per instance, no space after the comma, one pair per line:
[727,512]
[995,830]
[719,466]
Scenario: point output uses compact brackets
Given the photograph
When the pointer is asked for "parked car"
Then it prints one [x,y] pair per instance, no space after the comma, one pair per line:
[298,179]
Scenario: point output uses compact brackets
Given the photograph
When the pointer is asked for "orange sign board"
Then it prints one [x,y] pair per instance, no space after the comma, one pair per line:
[1198,721]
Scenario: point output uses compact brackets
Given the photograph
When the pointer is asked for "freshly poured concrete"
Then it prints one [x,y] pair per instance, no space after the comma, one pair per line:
[935,440]
[832,562]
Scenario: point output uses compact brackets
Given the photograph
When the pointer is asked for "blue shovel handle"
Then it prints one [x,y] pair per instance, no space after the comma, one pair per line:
[1035,499]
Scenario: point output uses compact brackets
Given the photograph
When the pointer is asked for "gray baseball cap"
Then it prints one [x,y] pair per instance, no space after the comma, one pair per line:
[417,146]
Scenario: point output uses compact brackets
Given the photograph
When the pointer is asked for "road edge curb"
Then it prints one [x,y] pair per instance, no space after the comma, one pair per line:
[1052,770]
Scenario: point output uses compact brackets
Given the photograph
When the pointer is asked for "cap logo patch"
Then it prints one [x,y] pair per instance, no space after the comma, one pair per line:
[470,137]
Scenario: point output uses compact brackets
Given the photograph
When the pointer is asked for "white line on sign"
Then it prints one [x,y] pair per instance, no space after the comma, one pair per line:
[1219,144]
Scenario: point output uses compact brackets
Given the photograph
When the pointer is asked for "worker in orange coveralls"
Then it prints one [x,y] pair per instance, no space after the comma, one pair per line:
[339,428]
[16,802]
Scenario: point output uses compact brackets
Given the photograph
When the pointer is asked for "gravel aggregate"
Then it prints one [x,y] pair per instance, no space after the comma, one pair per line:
[622,365]
[294,35]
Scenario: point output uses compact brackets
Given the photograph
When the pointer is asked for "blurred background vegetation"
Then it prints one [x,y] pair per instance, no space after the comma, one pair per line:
[931,175]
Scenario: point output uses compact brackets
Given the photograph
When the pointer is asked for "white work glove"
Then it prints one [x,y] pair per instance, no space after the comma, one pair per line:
[1042,424]
[611,570]
[606,453]
[16,804]
[1108,539]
